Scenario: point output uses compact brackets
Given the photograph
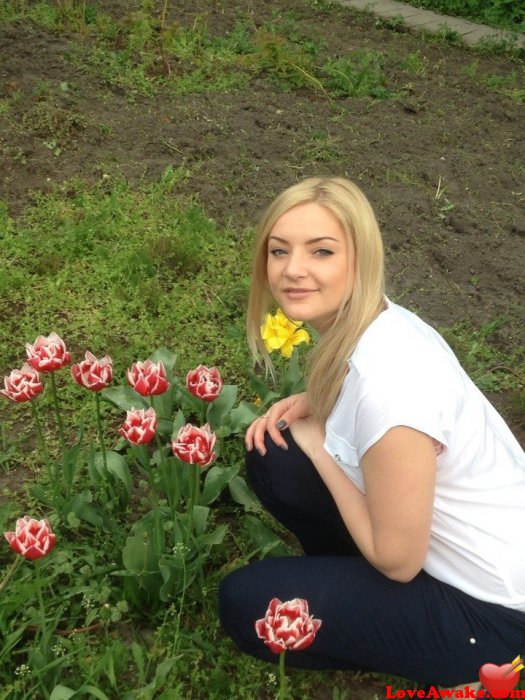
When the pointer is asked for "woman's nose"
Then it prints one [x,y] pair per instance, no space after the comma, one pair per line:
[295,265]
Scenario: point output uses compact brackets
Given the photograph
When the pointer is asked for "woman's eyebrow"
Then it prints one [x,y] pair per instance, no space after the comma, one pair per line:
[312,240]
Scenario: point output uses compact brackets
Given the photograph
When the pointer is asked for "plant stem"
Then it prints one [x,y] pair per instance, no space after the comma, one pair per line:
[41,439]
[10,571]
[101,433]
[281,695]
[155,496]
[58,414]
[40,598]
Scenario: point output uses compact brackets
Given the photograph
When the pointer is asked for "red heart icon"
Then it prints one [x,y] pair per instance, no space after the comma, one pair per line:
[497,679]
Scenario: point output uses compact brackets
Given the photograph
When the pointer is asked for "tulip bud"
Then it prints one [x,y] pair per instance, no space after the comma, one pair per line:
[204,383]
[22,384]
[93,374]
[48,354]
[140,426]
[195,445]
[287,626]
[32,538]
[148,378]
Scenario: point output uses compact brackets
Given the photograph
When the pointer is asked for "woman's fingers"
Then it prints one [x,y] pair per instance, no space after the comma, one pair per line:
[278,417]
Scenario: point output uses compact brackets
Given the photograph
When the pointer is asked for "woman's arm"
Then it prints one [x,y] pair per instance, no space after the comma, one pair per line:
[390,523]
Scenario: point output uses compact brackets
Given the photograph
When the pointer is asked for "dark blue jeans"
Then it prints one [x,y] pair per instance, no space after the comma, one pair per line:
[425,630]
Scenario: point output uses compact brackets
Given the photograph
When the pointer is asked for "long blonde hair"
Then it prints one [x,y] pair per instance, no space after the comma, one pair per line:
[327,365]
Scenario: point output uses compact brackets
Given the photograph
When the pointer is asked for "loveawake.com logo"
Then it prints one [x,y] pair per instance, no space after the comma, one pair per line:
[497,682]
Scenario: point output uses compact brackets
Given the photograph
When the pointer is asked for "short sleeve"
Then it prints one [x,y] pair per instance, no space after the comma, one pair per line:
[413,399]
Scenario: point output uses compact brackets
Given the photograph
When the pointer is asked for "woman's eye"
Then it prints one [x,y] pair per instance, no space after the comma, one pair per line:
[323,252]
[277,252]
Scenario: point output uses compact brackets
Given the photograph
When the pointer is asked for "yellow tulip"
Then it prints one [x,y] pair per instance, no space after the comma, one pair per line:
[280,333]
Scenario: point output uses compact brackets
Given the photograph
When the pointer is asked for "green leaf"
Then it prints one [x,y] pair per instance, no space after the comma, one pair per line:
[178,422]
[117,466]
[215,537]
[70,458]
[242,416]
[219,409]
[62,692]
[200,518]
[124,397]
[167,357]
[174,579]
[81,506]
[138,555]
[216,479]
[241,493]
[291,381]
[259,387]
[94,691]
[264,539]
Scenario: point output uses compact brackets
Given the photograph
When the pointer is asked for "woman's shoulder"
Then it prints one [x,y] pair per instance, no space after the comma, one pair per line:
[398,339]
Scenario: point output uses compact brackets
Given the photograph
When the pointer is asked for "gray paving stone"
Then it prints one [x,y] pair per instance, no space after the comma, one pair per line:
[417,18]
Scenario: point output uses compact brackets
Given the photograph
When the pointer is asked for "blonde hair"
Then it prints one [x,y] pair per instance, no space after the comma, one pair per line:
[327,365]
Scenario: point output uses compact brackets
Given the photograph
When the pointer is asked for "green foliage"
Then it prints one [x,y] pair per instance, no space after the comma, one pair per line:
[117,270]
[141,54]
[358,75]
[490,368]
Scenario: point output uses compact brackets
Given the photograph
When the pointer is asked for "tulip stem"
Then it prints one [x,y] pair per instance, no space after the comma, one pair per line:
[10,571]
[101,433]
[157,523]
[40,597]
[60,424]
[282,694]
[40,432]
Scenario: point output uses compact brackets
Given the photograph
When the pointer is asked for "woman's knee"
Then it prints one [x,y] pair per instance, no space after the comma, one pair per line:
[282,475]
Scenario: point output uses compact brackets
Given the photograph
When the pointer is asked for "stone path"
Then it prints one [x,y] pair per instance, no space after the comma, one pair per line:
[416,18]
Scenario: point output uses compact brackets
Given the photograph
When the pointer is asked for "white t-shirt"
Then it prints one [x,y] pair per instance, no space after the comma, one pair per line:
[403,373]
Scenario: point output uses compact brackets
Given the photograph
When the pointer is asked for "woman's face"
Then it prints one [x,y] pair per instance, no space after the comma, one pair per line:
[310,267]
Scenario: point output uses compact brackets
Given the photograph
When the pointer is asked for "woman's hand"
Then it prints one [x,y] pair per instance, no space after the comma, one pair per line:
[278,417]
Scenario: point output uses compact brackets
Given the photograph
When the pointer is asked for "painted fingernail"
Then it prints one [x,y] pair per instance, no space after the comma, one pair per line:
[281,424]
[283,447]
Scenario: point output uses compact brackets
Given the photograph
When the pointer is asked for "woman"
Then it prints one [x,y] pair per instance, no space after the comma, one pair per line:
[404,486]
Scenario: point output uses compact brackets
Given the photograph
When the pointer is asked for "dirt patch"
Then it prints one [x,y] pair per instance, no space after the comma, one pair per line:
[441,163]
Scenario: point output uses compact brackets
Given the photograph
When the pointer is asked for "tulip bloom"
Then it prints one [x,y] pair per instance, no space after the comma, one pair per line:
[279,333]
[148,378]
[195,445]
[93,374]
[32,538]
[22,384]
[204,383]
[287,626]
[48,354]
[140,426]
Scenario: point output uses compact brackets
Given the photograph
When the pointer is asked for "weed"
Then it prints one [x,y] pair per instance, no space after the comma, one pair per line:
[445,206]
[359,75]
[395,23]
[415,63]
[489,368]
[322,147]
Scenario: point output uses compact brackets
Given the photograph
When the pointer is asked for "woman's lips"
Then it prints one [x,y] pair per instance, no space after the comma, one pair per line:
[298,293]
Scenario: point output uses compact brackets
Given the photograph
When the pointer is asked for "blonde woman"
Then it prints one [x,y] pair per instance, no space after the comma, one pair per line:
[404,486]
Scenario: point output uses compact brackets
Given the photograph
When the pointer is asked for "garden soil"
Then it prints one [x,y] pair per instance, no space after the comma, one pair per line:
[442,163]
